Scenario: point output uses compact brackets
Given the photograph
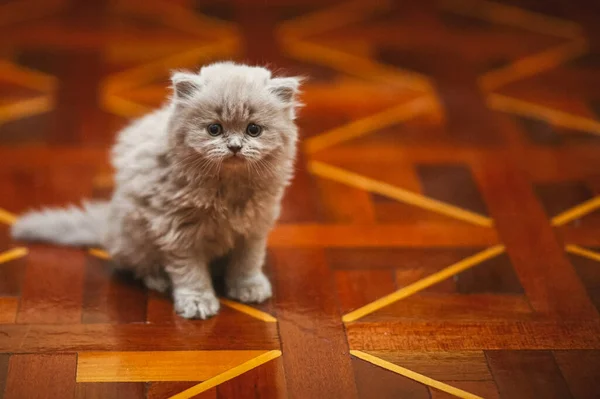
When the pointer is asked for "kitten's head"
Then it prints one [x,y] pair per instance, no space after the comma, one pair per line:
[232,115]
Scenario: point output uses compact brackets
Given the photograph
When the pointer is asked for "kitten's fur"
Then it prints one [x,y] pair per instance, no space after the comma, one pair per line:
[182,199]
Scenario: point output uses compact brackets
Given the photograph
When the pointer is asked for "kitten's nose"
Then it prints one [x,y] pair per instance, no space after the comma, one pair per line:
[235,148]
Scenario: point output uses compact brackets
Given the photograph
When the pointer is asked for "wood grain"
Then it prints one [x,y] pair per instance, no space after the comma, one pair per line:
[527,374]
[157,366]
[471,335]
[389,384]
[310,321]
[41,376]
[581,370]
[52,287]
[116,390]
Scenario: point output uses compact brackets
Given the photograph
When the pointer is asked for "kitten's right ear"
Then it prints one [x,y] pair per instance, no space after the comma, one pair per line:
[185,85]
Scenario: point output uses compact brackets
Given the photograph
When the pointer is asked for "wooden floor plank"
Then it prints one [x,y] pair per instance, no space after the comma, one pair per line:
[549,282]
[581,371]
[265,381]
[312,322]
[389,384]
[472,335]
[41,376]
[383,235]
[116,390]
[196,335]
[527,374]
[158,366]
[52,287]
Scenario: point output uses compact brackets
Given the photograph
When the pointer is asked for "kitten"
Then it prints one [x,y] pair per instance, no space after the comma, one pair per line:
[198,179]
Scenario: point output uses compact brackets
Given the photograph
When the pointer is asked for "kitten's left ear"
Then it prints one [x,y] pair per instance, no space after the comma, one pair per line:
[286,89]
[185,84]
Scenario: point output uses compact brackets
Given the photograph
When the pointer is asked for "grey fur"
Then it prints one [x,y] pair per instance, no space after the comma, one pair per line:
[181,199]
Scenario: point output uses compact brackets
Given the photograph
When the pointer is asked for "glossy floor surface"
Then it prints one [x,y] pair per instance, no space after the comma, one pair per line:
[441,238]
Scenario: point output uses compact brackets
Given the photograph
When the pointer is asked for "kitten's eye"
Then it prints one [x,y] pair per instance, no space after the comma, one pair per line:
[215,129]
[253,130]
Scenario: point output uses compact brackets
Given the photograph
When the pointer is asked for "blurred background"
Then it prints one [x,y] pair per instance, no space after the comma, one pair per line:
[432,131]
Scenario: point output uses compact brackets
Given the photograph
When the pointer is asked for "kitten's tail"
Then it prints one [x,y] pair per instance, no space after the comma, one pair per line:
[76,226]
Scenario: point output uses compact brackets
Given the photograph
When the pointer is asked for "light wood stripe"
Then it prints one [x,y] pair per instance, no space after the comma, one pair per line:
[576,212]
[399,194]
[459,393]
[586,253]
[424,283]
[159,366]
[13,254]
[249,310]
[228,375]
[533,64]
[7,217]
[556,117]
[515,16]
[361,127]
[27,107]
[356,65]
[99,253]
[331,18]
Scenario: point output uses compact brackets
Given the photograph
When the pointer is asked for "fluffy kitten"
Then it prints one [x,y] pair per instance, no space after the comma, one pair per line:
[198,179]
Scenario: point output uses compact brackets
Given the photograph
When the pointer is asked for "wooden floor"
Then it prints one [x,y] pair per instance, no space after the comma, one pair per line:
[441,238]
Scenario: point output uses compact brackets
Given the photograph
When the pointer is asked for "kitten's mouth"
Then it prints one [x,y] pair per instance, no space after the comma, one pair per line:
[235,158]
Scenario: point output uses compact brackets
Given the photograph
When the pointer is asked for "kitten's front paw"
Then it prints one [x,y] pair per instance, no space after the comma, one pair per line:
[256,288]
[196,305]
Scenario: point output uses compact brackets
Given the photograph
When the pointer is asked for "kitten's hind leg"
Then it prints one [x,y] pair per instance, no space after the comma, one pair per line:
[193,293]
[245,279]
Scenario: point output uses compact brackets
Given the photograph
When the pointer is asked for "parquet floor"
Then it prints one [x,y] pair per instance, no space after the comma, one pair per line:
[441,238]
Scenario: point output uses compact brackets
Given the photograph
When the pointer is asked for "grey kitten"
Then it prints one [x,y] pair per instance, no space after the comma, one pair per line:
[200,178]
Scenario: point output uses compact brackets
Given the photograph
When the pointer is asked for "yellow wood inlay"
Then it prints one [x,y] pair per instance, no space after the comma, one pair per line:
[228,375]
[510,15]
[459,393]
[586,253]
[331,18]
[424,283]
[7,217]
[159,366]
[99,253]
[556,117]
[27,107]
[577,211]
[355,180]
[533,64]
[13,254]
[370,124]
[249,310]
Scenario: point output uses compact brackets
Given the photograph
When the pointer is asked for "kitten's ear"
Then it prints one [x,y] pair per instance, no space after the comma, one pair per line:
[286,89]
[185,85]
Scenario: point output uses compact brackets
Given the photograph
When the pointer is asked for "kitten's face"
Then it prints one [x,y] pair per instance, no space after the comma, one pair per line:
[233,115]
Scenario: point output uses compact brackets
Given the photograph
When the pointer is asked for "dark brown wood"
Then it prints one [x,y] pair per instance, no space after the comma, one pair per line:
[41,376]
[581,370]
[111,297]
[52,290]
[525,231]
[527,374]
[309,318]
[471,335]
[266,381]
[117,390]
[389,385]
[159,390]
